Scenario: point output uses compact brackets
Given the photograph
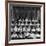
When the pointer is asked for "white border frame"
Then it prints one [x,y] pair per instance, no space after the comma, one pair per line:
[42,26]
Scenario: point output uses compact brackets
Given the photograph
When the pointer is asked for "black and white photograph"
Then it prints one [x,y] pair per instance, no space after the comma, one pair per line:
[25,23]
